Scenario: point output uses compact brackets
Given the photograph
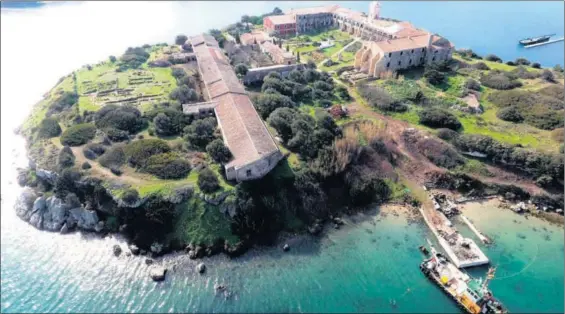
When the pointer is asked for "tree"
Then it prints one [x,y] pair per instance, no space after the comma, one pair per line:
[124,118]
[298,57]
[49,128]
[287,48]
[277,11]
[536,65]
[241,69]
[557,68]
[237,39]
[280,43]
[178,73]
[281,120]
[310,64]
[78,134]
[66,157]
[181,39]
[163,124]
[184,94]
[200,132]
[112,59]
[267,103]
[342,92]
[208,181]
[218,151]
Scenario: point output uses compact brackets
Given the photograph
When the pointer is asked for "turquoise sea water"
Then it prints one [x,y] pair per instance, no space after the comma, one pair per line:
[372,265]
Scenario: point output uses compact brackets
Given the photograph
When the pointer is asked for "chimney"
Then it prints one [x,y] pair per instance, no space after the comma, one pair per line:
[429,40]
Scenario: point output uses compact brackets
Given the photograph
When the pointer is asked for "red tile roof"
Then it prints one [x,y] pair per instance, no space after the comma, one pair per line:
[282,19]
[243,131]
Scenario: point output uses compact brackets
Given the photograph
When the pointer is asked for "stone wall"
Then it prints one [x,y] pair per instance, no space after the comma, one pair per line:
[256,169]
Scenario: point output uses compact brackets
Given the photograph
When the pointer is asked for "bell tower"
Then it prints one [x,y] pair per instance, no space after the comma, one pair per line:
[374,10]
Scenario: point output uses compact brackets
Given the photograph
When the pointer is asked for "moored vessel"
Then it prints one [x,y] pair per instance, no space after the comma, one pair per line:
[472,295]
[535,40]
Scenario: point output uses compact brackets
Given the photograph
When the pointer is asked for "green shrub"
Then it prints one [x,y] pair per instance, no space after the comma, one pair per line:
[481,66]
[133,58]
[167,166]
[114,157]
[124,118]
[130,196]
[439,118]
[78,134]
[547,75]
[66,157]
[184,94]
[49,128]
[178,73]
[522,61]
[493,58]
[472,84]
[511,114]
[116,135]
[218,151]
[241,69]
[208,181]
[138,152]
[511,63]
[434,77]
[447,134]
[64,101]
[536,65]
[499,80]
[380,98]
[178,121]
[523,73]
[364,187]
[86,165]
[93,150]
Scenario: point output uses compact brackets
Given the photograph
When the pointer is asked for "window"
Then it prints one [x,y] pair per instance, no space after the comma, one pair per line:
[390,54]
[435,51]
[410,62]
[399,62]
[423,49]
[388,64]
[412,51]
[401,53]
[248,172]
[434,59]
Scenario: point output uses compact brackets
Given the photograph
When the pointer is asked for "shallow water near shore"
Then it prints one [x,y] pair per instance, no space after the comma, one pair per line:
[371,265]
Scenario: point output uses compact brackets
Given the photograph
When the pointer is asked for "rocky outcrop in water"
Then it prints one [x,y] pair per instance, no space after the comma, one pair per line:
[53,214]
[157,273]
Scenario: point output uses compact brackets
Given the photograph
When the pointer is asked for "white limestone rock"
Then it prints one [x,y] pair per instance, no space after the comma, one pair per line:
[157,273]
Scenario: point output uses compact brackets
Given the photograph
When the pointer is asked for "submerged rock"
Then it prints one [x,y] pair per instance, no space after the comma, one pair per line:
[117,250]
[157,273]
[286,247]
[134,249]
[315,229]
[201,268]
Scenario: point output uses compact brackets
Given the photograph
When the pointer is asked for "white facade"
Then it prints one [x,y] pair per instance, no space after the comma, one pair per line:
[374,10]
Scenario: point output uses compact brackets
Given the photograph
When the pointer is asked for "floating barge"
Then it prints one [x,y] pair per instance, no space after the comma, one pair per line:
[471,295]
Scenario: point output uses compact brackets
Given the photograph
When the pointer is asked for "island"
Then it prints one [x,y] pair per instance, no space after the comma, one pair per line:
[286,122]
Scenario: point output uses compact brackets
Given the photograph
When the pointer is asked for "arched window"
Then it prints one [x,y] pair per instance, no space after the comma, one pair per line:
[388,65]
[399,62]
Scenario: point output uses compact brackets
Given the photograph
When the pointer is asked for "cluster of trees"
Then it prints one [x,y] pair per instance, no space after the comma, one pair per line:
[184,93]
[302,133]
[168,121]
[78,134]
[439,118]
[154,156]
[118,122]
[299,87]
[541,109]
[472,84]
[379,98]
[208,181]
[532,162]
[133,58]
[201,132]
[64,101]
[501,80]
[217,34]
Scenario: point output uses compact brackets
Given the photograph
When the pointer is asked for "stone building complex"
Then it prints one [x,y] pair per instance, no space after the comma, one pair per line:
[254,151]
[388,45]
